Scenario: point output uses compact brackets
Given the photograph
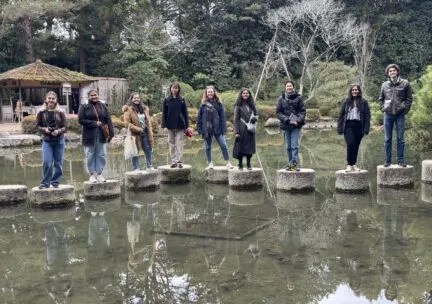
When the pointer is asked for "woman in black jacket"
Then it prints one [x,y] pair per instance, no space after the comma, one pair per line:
[94,116]
[51,122]
[175,118]
[244,112]
[291,113]
[354,123]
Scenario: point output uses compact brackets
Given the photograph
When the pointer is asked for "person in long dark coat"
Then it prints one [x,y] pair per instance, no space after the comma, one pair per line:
[244,112]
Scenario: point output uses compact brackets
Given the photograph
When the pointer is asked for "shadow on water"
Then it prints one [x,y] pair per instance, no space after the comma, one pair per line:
[204,243]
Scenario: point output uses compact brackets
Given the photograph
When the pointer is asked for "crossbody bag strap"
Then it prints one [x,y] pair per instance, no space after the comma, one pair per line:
[97,116]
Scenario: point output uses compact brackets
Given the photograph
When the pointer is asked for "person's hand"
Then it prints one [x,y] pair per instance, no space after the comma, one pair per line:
[46,131]
[99,123]
[55,133]
[237,135]
[141,130]
[253,120]
[295,123]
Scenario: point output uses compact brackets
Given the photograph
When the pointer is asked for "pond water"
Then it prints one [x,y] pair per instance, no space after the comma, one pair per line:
[200,243]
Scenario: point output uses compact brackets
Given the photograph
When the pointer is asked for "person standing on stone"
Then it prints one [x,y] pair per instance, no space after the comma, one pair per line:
[291,113]
[175,118]
[244,112]
[51,122]
[353,123]
[395,102]
[137,117]
[94,117]
[211,122]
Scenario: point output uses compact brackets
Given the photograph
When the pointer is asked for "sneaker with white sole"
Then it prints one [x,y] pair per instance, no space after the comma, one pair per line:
[349,168]
[101,179]
[210,165]
[229,165]
[93,179]
[355,168]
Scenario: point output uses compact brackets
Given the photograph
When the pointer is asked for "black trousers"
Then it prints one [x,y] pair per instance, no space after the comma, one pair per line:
[353,136]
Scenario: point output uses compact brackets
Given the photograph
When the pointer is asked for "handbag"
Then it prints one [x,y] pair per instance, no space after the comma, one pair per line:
[251,127]
[236,149]
[130,147]
[104,127]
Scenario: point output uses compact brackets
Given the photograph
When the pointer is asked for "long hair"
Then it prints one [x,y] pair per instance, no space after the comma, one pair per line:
[129,101]
[174,84]
[45,104]
[350,97]
[204,94]
[249,101]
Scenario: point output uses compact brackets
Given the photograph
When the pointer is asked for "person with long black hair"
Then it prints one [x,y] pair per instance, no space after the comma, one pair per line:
[353,123]
[244,112]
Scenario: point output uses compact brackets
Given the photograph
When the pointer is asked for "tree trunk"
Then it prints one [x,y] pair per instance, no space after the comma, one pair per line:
[28,39]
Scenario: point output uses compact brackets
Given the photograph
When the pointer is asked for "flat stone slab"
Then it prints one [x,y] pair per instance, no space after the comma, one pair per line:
[16,140]
[105,205]
[426,192]
[53,197]
[300,181]
[168,175]
[353,181]
[13,194]
[395,176]
[245,179]
[110,188]
[294,202]
[142,180]
[426,174]
[397,197]
[43,216]
[217,175]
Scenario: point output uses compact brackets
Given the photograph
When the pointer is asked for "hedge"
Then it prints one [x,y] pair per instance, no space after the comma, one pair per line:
[313,115]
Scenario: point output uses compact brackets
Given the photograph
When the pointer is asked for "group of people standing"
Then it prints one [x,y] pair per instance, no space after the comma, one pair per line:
[97,128]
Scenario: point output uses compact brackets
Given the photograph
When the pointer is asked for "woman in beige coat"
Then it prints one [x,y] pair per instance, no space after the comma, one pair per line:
[137,118]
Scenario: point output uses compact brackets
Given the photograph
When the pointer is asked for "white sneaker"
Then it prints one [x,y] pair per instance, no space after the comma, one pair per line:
[93,179]
[151,169]
[229,165]
[349,168]
[101,179]
[210,165]
[355,168]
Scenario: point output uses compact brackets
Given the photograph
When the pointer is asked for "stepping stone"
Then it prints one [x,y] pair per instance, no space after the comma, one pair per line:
[217,175]
[110,188]
[141,180]
[294,202]
[60,215]
[53,197]
[245,179]
[296,181]
[168,175]
[355,181]
[12,194]
[397,197]
[426,174]
[426,192]
[102,205]
[395,176]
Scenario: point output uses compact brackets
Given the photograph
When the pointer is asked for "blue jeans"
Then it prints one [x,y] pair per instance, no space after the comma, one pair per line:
[95,156]
[147,152]
[389,122]
[291,137]
[52,159]
[222,144]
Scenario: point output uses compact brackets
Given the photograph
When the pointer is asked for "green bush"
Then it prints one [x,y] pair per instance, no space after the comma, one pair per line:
[420,135]
[28,125]
[313,115]
[266,111]
[376,114]
[229,98]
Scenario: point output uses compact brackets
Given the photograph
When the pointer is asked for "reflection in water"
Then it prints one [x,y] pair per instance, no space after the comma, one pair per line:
[426,192]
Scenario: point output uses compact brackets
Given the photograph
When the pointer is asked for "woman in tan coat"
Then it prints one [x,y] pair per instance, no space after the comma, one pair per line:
[137,117]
